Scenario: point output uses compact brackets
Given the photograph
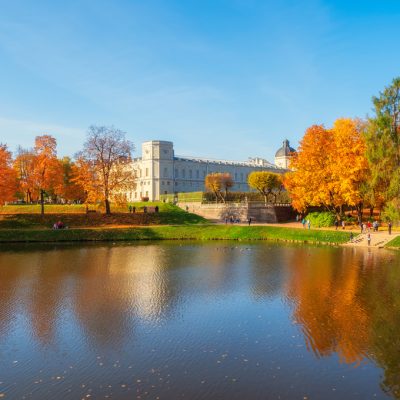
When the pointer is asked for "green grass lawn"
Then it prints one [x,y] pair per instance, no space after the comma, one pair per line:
[394,243]
[49,208]
[28,216]
[193,232]
[81,208]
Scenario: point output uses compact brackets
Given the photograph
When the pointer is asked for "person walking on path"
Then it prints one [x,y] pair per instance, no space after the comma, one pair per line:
[336,224]
[303,222]
[390,227]
[369,239]
[249,221]
[130,209]
[308,223]
[343,224]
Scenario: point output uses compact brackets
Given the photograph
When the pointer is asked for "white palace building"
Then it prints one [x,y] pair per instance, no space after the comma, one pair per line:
[159,171]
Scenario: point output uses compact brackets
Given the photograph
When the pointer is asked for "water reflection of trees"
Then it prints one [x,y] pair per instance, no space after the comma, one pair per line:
[102,288]
[106,289]
[348,302]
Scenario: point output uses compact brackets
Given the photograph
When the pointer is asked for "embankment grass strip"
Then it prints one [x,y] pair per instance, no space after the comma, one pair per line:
[203,232]
[394,243]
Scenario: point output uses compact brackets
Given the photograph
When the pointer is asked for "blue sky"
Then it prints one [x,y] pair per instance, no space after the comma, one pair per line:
[220,78]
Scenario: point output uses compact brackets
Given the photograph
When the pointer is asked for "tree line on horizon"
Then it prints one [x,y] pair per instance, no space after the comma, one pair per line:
[353,164]
[98,172]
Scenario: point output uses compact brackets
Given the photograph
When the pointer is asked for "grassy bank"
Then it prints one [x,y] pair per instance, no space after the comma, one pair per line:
[81,208]
[194,232]
[73,216]
[394,243]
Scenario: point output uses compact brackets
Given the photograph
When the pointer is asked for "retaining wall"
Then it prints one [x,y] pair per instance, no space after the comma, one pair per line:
[259,212]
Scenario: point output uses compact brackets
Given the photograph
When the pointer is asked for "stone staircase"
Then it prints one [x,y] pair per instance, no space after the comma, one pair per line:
[378,239]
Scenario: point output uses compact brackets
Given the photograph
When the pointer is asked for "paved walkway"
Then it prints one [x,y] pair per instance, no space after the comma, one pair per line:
[378,239]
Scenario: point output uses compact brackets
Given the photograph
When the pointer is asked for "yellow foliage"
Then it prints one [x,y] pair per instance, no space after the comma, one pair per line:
[329,167]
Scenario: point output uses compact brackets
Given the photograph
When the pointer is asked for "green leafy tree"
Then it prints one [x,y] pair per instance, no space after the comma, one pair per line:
[267,183]
[383,148]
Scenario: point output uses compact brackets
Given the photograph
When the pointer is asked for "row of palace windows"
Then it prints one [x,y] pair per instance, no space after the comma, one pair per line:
[182,174]
[190,174]
[141,194]
[135,195]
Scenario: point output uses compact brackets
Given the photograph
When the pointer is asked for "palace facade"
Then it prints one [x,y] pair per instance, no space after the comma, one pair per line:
[159,171]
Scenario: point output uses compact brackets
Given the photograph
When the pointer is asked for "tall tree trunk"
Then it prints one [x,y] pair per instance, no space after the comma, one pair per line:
[360,208]
[108,209]
[41,201]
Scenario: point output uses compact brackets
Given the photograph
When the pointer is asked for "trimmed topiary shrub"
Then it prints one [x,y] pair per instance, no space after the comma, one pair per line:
[321,219]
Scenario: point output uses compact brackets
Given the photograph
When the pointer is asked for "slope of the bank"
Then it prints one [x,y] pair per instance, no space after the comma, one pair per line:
[204,232]
[394,243]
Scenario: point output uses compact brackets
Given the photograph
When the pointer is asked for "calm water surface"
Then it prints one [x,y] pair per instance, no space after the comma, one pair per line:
[199,321]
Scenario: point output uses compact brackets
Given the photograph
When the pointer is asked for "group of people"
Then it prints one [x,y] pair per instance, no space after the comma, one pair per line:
[341,223]
[59,225]
[232,220]
[132,209]
[305,222]
[366,227]
[236,220]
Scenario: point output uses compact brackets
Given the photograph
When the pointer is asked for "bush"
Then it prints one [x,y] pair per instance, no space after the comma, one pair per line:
[392,211]
[321,219]
[240,197]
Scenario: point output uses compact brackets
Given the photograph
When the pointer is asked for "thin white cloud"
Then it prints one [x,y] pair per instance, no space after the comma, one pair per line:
[23,132]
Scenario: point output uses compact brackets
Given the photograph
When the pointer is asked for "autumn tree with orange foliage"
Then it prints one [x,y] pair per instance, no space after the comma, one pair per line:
[330,168]
[71,190]
[24,166]
[8,176]
[216,182]
[48,172]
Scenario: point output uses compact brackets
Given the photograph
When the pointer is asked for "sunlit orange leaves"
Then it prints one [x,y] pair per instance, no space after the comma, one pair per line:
[329,167]
[8,176]
[48,172]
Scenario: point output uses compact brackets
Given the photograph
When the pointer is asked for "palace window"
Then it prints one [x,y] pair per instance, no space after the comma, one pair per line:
[147,172]
[190,174]
[176,173]
[165,172]
[197,174]
[183,173]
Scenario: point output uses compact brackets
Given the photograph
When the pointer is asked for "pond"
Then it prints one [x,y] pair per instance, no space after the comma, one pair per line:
[184,320]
